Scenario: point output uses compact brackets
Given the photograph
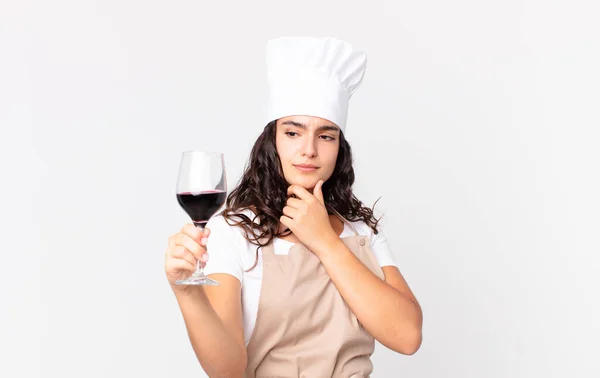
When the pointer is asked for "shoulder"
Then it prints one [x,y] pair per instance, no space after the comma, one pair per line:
[225,231]
[378,241]
[220,223]
[228,247]
[364,229]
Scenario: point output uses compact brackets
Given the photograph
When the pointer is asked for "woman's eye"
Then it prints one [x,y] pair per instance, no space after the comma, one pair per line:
[327,137]
[289,133]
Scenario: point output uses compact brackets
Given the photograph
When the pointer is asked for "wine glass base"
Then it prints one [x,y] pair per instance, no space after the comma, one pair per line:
[199,280]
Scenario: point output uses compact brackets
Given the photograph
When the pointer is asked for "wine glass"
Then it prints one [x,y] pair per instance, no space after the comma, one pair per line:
[201,191]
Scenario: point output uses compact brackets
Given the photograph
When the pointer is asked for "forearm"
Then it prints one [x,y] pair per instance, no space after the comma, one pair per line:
[216,349]
[390,316]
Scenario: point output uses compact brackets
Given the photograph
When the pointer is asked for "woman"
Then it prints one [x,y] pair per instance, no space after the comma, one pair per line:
[307,280]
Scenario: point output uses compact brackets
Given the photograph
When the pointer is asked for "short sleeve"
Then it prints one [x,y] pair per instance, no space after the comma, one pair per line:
[225,247]
[381,248]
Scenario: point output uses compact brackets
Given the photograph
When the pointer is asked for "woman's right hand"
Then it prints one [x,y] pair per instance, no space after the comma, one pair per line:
[185,247]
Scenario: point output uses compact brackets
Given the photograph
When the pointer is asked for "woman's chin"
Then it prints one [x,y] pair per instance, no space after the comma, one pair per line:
[305,182]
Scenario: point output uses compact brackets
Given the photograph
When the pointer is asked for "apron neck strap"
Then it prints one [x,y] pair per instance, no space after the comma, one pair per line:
[343,219]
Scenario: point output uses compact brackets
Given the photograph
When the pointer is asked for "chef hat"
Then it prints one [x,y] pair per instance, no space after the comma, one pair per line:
[312,76]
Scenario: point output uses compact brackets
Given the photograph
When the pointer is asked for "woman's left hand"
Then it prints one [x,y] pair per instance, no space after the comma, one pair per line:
[306,216]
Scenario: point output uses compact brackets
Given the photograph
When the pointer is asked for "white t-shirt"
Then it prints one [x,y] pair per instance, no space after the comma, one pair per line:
[232,254]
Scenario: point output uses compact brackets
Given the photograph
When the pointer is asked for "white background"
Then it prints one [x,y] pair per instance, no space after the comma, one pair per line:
[477,124]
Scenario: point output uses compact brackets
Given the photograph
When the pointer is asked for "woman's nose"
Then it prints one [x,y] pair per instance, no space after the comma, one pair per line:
[309,148]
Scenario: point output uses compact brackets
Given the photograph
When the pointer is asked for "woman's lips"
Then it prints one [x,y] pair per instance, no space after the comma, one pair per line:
[306,168]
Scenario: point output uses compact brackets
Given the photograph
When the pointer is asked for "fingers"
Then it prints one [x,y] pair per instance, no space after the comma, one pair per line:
[185,249]
[285,221]
[180,264]
[296,203]
[299,191]
[291,212]
[192,239]
[192,231]
[181,253]
[191,245]
[318,192]
[205,237]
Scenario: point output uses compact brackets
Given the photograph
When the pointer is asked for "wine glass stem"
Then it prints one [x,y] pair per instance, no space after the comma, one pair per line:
[199,270]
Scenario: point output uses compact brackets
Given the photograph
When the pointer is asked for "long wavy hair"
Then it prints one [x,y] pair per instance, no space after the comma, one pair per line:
[263,190]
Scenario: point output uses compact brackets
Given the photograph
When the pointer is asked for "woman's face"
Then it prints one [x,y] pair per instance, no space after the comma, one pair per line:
[308,149]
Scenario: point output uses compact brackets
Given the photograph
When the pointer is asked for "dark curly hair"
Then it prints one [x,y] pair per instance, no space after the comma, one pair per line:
[263,189]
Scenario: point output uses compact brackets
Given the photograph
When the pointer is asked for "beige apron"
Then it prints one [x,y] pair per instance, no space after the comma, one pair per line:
[304,328]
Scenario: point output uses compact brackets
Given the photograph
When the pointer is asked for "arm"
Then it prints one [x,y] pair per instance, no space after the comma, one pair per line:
[388,310]
[213,319]
[212,314]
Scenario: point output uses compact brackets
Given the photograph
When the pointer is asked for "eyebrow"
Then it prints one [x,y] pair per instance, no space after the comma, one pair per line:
[303,126]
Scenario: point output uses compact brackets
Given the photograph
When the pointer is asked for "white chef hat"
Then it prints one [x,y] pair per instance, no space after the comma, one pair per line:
[312,76]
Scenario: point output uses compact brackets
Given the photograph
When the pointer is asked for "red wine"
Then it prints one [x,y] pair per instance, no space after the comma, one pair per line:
[203,205]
